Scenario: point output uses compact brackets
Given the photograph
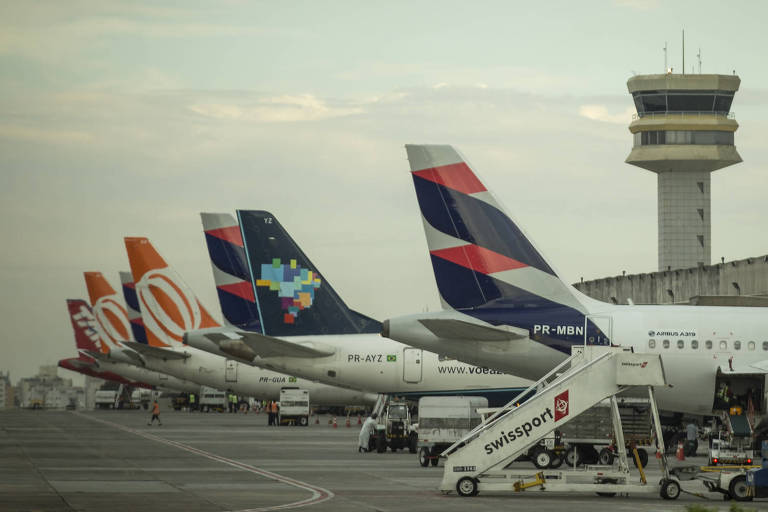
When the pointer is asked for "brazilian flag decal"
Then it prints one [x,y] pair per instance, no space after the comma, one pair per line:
[391,358]
[291,379]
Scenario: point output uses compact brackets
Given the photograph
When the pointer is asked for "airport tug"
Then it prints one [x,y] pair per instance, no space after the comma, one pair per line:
[477,462]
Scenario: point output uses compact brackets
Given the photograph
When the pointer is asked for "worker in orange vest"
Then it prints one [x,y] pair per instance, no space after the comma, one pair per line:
[275,420]
[155,414]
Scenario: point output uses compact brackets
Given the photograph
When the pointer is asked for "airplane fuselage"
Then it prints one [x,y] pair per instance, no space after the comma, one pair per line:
[695,342]
[221,373]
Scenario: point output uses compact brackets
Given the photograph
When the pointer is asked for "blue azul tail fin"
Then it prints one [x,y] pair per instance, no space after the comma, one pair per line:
[293,297]
[230,271]
[484,264]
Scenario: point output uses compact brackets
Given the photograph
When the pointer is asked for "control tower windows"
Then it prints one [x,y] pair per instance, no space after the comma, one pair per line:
[716,102]
[703,138]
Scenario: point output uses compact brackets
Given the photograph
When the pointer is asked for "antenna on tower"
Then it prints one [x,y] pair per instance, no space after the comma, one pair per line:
[698,55]
[666,69]
[683,51]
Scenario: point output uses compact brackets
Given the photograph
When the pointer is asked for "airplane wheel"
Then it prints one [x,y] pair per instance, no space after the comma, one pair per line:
[670,490]
[424,457]
[738,489]
[466,487]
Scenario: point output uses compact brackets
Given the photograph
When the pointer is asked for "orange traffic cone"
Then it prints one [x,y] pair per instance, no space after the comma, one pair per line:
[359,422]
[680,452]
[348,424]
[334,423]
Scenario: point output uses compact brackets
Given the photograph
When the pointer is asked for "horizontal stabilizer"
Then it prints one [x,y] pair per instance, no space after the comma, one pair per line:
[83,364]
[249,345]
[453,329]
[157,352]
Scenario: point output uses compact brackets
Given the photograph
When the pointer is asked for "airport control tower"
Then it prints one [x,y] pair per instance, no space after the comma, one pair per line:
[683,130]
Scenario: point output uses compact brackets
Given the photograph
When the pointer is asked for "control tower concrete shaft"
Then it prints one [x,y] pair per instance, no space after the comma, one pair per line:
[683,130]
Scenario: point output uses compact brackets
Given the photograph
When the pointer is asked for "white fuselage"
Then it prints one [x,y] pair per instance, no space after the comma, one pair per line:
[720,333]
[218,372]
[381,365]
[147,376]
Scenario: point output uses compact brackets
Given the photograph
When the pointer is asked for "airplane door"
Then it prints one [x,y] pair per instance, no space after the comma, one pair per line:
[604,332]
[230,370]
[412,362]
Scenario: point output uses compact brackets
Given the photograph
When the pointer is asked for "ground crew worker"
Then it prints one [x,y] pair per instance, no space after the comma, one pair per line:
[233,401]
[692,439]
[270,416]
[275,409]
[367,430]
[191,402]
[155,414]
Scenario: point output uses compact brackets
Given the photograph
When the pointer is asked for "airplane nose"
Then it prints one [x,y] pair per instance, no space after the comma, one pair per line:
[385,329]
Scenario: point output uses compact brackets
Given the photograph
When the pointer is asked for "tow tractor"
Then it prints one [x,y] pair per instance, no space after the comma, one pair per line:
[479,461]
[394,429]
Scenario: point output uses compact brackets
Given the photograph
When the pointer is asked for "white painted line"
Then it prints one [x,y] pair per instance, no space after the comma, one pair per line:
[319,494]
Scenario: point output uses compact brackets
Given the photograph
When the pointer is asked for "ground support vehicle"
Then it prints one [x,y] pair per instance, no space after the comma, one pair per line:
[723,451]
[107,398]
[443,420]
[212,399]
[294,407]
[395,429]
[478,462]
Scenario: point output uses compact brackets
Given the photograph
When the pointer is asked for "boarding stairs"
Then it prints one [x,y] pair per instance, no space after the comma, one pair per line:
[590,375]
[380,405]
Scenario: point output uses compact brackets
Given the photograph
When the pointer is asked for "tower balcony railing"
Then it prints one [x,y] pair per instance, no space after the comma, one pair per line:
[682,114]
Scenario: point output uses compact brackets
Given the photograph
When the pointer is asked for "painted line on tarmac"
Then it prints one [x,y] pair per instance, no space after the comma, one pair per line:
[319,494]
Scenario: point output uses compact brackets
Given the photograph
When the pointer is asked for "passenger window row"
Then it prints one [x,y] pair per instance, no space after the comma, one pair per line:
[708,344]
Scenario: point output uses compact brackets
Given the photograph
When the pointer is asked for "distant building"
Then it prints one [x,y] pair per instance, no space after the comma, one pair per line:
[738,283]
[7,394]
[48,390]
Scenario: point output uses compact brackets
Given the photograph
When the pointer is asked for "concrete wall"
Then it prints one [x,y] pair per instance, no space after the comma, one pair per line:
[750,276]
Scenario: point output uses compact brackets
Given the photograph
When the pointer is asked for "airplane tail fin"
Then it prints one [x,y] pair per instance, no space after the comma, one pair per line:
[230,271]
[85,327]
[482,259]
[132,307]
[292,296]
[168,307]
[108,309]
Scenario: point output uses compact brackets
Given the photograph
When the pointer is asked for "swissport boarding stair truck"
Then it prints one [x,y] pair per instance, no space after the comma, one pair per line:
[593,373]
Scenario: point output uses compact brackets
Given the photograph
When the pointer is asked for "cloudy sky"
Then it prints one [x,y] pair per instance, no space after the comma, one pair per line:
[129,118]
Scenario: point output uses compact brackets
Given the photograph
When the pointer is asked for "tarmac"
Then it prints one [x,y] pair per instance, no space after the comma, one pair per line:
[111,461]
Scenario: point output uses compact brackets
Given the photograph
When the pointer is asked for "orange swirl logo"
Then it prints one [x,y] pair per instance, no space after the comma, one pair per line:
[169,308]
[113,319]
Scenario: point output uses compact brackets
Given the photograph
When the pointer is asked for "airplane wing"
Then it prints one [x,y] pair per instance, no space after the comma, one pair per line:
[249,345]
[125,356]
[454,329]
[157,352]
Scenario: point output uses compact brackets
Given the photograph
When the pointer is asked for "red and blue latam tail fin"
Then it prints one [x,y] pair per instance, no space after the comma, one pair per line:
[484,263]
[132,307]
[108,309]
[168,307]
[86,329]
[230,271]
